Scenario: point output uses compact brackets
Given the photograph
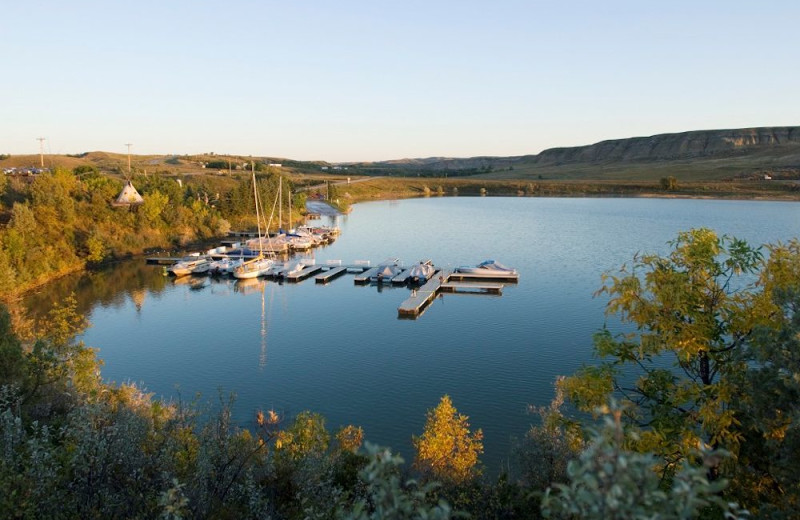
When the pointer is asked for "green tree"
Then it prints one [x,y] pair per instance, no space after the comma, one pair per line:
[669,183]
[693,310]
[152,207]
[447,450]
[388,497]
[767,477]
[610,482]
[541,457]
[306,436]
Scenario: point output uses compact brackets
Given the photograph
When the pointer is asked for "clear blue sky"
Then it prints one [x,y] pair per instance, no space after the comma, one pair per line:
[372,80]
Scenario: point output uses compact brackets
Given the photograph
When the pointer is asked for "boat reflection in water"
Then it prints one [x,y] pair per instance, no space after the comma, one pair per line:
[247,286]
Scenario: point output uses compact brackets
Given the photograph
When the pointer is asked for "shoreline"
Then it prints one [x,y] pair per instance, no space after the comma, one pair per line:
[409,194]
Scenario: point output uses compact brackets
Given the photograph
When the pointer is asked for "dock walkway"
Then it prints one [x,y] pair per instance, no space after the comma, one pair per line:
[331,274]
[304,273]
[490,288]
[364,277]
[420,298]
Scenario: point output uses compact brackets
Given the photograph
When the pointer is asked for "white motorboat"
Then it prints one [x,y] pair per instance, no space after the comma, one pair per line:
[225,266]
[487,267]
[187,264]
[294,267]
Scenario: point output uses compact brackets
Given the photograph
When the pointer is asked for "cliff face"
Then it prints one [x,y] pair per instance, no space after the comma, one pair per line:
[701,143]
[662,147]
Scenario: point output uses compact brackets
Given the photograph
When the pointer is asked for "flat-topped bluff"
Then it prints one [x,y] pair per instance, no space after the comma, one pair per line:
[698,143]
[661,147]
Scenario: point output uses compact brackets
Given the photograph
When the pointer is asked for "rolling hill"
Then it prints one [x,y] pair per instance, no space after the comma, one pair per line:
[701,155]
[695,155]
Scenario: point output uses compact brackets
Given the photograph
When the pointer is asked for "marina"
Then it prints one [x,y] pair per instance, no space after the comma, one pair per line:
[475,281]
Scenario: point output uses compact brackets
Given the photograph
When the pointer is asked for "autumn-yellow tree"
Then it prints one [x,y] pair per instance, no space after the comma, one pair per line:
[447,450]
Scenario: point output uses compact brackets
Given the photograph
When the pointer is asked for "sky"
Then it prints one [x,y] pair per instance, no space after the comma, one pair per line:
[367,80]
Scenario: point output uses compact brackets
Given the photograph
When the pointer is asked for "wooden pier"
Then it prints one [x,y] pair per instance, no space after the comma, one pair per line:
[304,273]
[442,281]
[363,278]
[486,288]
[421,297]
[402,277]
[331,274]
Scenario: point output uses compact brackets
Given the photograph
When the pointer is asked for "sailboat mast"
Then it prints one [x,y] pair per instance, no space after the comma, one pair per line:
[258,218]
[280,203]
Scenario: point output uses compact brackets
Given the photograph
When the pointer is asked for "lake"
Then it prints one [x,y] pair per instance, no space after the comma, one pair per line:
[341,350]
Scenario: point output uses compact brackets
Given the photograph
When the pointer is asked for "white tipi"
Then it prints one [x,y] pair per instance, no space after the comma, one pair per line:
[128,196]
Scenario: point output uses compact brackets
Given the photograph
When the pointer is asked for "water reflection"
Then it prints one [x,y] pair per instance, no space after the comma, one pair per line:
[110,286]
[251,285]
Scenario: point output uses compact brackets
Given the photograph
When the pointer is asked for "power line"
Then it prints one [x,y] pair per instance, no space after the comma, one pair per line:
[129,158]
[41,151]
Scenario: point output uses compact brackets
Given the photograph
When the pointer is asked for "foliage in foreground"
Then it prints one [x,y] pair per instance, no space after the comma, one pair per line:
[609,482]
[712,362]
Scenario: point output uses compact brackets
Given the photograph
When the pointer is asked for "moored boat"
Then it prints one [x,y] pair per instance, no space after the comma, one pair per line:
[187,265]
[421,272]
[487,267]
[387,270]
[253,268]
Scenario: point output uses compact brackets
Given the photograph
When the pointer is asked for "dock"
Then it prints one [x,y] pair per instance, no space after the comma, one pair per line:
[487,288]
[442,281]
[402,277]
[304,273]
[489,276]
[162,260]
[331,274]
[421,297]
[361,279]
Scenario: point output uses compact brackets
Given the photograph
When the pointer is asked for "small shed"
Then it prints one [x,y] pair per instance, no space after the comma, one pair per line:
[128,196]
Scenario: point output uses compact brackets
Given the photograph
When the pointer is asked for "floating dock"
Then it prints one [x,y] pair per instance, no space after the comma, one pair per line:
[442,281]
[487,288]
[421,297]
[402,277]
[304,273]
[162,260]
[331,274]
[363,278]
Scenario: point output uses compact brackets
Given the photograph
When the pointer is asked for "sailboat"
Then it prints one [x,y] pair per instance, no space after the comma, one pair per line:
[278,244]
[259,265]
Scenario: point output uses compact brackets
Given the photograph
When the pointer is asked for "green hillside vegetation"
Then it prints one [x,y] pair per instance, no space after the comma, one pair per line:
[63,221]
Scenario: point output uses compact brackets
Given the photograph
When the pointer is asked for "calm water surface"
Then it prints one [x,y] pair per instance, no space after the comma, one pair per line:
[340,350]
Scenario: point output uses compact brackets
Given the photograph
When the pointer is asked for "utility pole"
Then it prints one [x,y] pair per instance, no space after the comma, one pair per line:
[129,158]
[41,151]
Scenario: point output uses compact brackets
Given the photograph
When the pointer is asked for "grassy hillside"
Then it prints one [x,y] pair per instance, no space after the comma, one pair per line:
[697,156]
